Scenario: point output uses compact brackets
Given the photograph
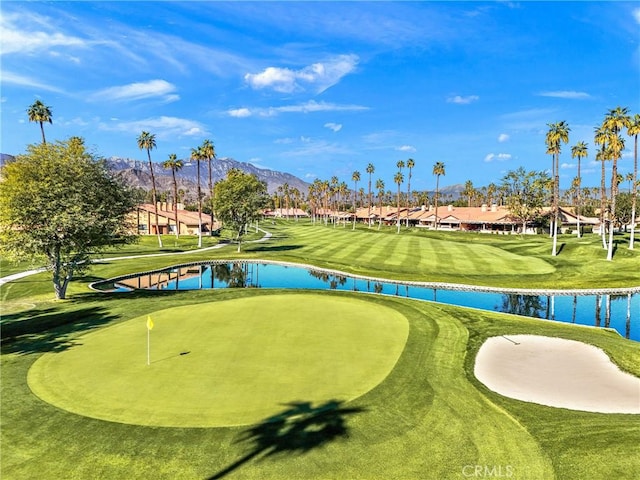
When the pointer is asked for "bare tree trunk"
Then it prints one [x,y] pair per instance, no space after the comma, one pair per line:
[634,195]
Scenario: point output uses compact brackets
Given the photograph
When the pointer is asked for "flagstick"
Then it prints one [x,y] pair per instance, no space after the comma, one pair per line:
[148,346]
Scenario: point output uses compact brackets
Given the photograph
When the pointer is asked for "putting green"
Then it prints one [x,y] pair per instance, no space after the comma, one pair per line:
[225,363]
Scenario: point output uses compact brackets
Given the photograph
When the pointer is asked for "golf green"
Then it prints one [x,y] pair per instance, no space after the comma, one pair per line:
[225,363]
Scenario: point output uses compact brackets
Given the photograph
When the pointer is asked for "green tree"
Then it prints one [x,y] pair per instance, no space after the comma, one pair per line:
[410,164]
[60,202]
[239,200]
[40,113]
[398,179]
[557,135]
[209,153]
[469,191]
[579,151]
[380,188]
[633,130]
[615,120]
[438,169]
[175,165]
[197,156]
[147,141]
[355,177]
[601,136]
[525,194]
[370,170]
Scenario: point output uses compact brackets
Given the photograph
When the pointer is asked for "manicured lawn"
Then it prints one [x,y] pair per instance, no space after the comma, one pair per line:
[390,393]
[428,418]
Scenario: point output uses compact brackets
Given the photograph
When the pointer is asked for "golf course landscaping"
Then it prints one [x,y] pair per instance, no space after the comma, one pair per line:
[281,384]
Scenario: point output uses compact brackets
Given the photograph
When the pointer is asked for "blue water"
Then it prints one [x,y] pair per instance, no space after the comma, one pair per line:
[583,309]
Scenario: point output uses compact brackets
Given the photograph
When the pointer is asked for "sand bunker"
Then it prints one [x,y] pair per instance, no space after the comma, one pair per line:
[556,372]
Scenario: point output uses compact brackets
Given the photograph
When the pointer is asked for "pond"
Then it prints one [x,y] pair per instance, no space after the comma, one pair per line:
[618,311]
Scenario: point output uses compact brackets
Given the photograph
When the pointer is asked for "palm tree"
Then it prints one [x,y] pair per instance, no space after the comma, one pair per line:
[370,170]
[39,112]
[175,165]
[380,188]
[197,156]
[147,141]
[398,179]
[579,150]
[601,136]
[209,152]
[438,169]
[410,165]
[615,120]
[355,177]
[633,130]
[557,135]
[468,191]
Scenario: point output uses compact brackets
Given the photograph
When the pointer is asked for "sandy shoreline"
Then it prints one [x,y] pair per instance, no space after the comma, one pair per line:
[557,373]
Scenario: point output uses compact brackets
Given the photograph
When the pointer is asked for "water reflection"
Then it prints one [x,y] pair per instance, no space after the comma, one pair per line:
[621,312]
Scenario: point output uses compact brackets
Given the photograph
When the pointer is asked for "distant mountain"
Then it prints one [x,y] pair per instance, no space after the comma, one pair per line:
[136,173]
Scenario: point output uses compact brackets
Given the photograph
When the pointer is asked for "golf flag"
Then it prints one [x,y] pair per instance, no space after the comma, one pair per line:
[149,323]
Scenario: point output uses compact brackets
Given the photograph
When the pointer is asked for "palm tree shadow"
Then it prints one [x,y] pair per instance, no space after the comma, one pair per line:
[295,430]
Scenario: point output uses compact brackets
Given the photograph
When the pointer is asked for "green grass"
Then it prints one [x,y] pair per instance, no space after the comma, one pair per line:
[224,363]
[428,418]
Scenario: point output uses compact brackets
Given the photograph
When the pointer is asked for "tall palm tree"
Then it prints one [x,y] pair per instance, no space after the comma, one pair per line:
[370,170]
[615,120]
[380,188]
[39,112]
[579,151]
[438,169]
[468,191]
[557,135]
[633,130]
[398,179]
[601,136]
[197,156]
[410,164]
[209,152]
[147,141]
[175,165]
[355,177]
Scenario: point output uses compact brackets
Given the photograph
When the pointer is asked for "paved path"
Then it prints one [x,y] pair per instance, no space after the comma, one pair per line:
[17,276]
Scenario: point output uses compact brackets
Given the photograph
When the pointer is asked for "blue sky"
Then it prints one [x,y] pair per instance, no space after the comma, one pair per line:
[324,88]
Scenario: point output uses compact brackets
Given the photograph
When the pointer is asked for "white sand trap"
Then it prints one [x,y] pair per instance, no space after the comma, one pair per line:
[556,372]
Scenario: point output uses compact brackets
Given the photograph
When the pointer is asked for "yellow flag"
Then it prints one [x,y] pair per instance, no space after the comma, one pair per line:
[149,322]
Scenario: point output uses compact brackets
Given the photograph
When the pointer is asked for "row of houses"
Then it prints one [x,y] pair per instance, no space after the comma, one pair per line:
[489,219]
[186,222]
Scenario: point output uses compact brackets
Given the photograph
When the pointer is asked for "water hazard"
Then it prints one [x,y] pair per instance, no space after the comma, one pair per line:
[620,312]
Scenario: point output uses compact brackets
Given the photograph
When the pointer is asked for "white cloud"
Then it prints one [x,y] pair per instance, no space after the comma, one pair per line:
[503,137]
[569,94]
[336,127]
[636,15]
[406,148]
[310,175]
[163,127]
[567,165]
[463,100]
[501,157]
[318,76]
[308,107]
[17,40]
[239,112]
[139,91]
[15,79]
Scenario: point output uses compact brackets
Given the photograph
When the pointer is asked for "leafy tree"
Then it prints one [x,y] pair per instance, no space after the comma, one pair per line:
[198,156]
[557,135]
[355,177]
[438,169]
[410,164]
[398,179]
[147,141]
[175,165]
[60,202]
[209,153]
[615,120]
[579,151]
[525,194]
[633,130]
[239,199]
[370,170]
[380,188]
[39,112]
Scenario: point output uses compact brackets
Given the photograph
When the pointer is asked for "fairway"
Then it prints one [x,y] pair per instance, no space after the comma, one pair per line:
[225,363]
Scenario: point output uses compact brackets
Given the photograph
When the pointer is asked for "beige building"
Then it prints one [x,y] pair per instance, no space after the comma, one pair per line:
[144,219]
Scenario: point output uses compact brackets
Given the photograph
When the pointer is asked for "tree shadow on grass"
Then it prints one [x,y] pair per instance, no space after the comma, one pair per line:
[295,430]
[49,330]
[272,248]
